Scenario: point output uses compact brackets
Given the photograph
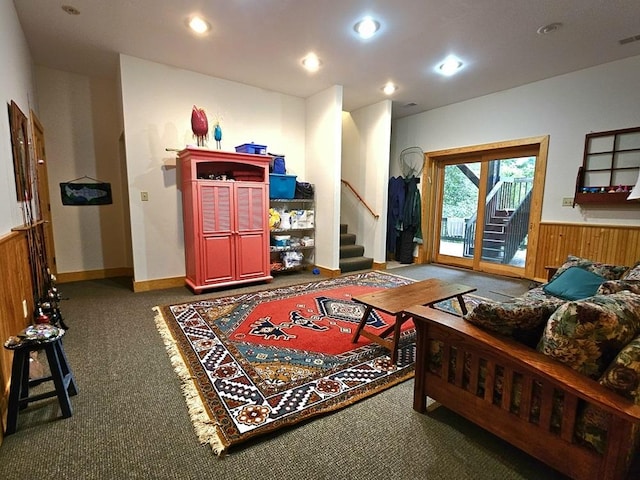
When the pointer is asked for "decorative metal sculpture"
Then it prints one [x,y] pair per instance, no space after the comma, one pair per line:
[217,135]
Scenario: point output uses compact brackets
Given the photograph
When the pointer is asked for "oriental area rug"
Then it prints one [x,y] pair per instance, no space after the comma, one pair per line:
[253,363]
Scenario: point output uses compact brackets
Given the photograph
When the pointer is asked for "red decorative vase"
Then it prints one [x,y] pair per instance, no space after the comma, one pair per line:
[199,125]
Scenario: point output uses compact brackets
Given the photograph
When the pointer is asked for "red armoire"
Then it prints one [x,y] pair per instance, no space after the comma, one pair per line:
[225,199]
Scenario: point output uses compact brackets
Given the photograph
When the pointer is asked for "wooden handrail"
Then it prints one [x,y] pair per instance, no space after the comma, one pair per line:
[375,215]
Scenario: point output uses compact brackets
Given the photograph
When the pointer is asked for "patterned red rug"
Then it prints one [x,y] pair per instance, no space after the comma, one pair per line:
[257,362]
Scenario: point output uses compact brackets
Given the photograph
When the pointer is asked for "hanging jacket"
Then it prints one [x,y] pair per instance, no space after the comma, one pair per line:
[412,211]
[395,208]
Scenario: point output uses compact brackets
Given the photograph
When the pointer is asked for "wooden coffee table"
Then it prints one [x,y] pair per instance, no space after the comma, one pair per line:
[395,301]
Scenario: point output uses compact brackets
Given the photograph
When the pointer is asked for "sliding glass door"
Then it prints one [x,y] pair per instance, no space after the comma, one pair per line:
[460,187]
[483,210]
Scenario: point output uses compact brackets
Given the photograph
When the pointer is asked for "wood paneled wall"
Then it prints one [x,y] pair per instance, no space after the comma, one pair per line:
[619,245]
[15,285]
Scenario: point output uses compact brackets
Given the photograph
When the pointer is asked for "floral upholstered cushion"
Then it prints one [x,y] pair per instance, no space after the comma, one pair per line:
[522,320]
[608,271]
[633,273]
[587,334]
[615,286]
[623,377]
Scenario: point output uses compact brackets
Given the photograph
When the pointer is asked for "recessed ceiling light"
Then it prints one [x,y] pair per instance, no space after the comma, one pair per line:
[311,62]
[449,66]
[199,24]
[367,27]
[70,10]
[389,88]
[552,27]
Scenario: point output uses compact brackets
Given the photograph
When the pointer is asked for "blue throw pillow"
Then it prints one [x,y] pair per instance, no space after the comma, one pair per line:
[574,283]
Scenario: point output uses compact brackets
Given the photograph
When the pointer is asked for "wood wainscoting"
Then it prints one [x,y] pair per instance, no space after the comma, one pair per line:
[618,245]
[15,285]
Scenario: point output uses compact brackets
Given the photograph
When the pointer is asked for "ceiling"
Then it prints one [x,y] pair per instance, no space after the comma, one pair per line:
[261,42]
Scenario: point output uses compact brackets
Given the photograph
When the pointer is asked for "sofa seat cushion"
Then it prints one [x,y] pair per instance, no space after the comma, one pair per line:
[574,283]
[537,294]
[587,334]
[523,320]
[633,273]
[605,270]
[623,377]
[615,286]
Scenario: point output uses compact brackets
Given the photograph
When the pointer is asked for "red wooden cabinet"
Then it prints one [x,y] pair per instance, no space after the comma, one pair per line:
[225,199]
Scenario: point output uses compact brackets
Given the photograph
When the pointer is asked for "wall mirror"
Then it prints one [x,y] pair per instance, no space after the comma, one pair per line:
[20,147]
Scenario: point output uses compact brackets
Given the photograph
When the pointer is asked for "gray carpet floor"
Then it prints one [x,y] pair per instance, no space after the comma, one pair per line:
[130,419]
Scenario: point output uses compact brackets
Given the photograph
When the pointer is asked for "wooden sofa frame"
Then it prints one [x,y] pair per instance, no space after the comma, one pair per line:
[555,447]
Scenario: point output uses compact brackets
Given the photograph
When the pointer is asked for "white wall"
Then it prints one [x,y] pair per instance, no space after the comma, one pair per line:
[157,102]
[566,108]
[16,83]
[80,119]
[324,156]
[365,165]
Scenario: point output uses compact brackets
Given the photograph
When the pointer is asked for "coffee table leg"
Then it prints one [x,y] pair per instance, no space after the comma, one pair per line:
[363,322]
[400,318]
[463,306]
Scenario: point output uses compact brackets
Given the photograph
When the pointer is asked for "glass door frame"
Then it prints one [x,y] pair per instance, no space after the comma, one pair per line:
[433,177]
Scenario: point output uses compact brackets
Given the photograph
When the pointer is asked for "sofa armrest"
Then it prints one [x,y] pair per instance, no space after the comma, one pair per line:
[528,359]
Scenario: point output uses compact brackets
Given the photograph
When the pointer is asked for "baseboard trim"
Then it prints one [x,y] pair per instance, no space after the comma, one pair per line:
[158,284]
[94,274]
[327,272]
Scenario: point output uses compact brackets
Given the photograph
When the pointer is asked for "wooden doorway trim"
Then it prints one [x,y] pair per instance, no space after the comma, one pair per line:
[42,186]
[431,198]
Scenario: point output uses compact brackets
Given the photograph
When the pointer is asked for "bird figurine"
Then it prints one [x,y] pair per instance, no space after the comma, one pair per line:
[199,125]
[217,135]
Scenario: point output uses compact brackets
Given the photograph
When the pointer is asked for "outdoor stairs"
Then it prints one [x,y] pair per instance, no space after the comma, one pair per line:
[494,239]
[351,255]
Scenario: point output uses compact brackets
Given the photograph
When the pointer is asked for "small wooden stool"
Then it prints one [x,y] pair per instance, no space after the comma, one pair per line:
[35,338]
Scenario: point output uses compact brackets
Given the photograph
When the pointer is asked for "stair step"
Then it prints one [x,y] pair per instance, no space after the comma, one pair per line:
[494,227]
[493,235]
[349,251]
[347,239]
[489,243]
[502,213]
[492,253]
[344,228]
[355,263]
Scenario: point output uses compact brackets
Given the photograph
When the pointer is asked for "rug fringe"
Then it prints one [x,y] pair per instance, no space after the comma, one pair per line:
[206,430]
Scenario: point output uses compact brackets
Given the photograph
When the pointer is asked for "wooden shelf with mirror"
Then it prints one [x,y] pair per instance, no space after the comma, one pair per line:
[610,167]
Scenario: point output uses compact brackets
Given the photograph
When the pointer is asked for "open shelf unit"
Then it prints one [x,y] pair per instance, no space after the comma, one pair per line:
[609,168]
[298,224]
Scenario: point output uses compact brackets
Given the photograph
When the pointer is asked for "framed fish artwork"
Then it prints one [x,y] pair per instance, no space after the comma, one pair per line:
[84,193]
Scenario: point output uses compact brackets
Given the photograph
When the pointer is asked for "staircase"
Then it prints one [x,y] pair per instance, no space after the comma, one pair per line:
[351,255]
[494,238]
[506,225]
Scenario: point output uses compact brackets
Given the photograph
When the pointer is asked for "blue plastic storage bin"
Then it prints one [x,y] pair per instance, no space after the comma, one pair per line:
[282,186]
[252,148]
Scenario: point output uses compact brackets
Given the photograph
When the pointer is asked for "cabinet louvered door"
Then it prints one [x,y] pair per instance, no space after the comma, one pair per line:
[251,241]
[217,230]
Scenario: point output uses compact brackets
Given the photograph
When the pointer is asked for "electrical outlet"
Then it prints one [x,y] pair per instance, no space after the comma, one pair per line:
[144,196]
[567,202]
[24,308]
